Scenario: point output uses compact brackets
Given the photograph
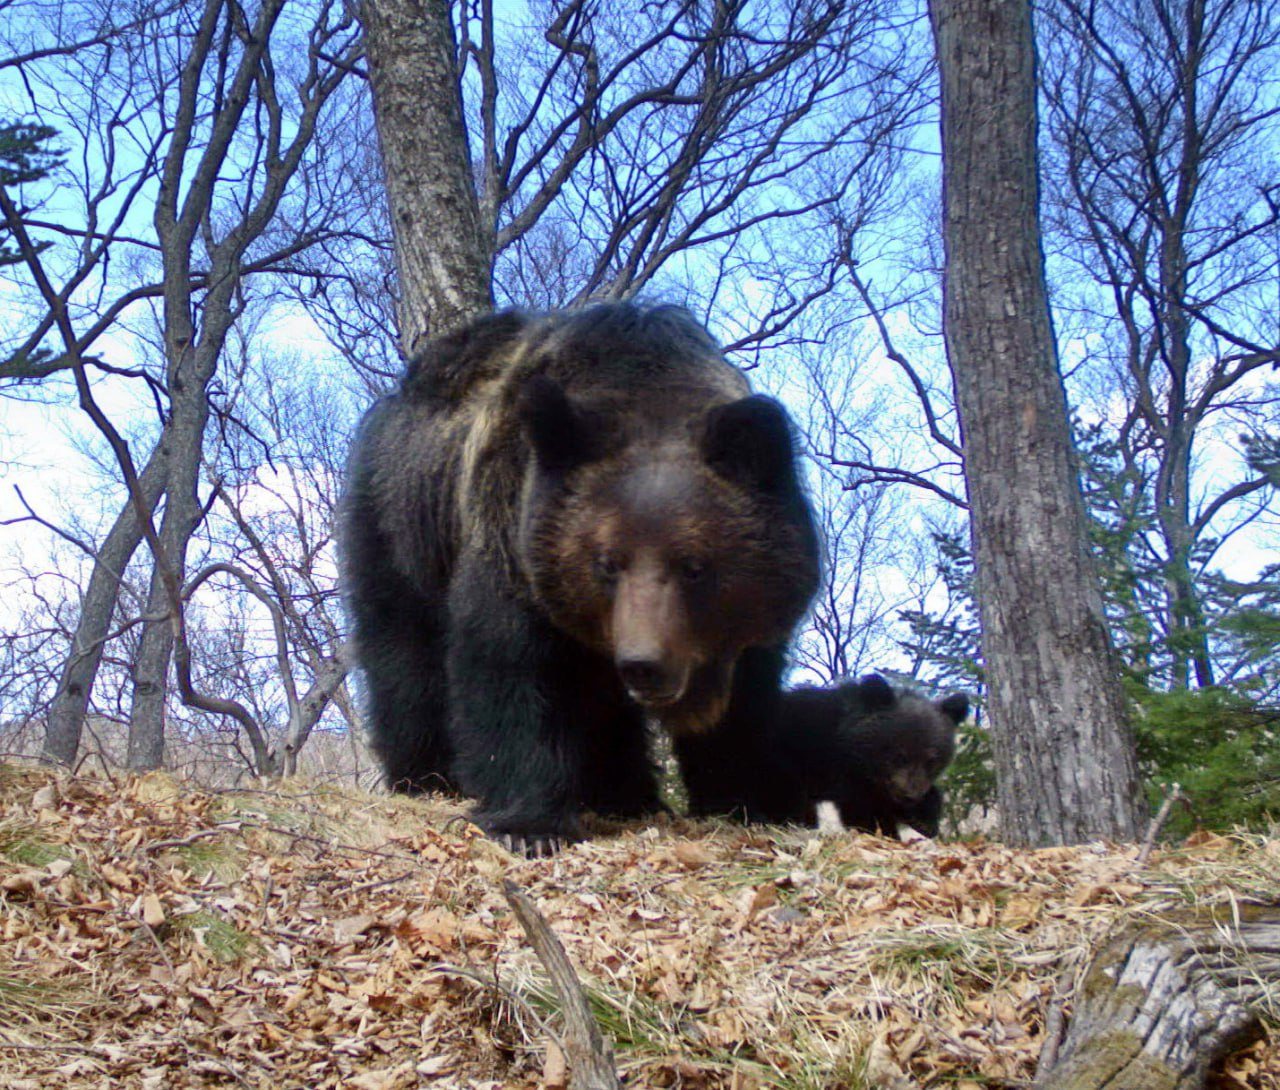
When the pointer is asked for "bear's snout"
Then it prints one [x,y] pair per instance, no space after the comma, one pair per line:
[910,782]
[651,640]
[650,683]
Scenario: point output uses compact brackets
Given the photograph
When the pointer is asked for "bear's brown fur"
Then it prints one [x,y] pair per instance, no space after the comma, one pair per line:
[558,525]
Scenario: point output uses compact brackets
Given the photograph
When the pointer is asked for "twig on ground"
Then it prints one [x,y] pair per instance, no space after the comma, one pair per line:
[179,841]
[1055,1020]
[590,1056]
[1157,823]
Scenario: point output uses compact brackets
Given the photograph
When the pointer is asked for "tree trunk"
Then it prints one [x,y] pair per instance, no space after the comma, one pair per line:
[1162,1002]
[1187,634]
[182,514]
[1065,764]
[442,258]
[151,682]
[80,669]
[329,674]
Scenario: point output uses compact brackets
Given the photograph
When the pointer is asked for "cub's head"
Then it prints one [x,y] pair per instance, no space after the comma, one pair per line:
[914,738]
[666,541]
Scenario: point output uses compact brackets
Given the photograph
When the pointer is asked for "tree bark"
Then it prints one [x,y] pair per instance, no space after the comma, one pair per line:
[182,514]
[1161,1003]
[1065,764]
[70,703]
[442,258]
[305,713]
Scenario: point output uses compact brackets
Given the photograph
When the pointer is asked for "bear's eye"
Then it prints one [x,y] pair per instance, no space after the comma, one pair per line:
[607,568]
[693,569]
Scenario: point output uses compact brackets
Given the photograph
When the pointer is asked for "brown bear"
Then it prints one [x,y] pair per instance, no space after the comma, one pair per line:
[558,526]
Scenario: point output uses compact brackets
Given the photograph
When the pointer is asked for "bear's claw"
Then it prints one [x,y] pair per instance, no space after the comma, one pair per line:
[533,847]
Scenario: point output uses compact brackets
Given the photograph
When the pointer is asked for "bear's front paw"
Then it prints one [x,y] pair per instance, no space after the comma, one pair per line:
[532,839]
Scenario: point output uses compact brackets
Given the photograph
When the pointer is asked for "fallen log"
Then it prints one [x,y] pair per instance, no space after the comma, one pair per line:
[1166,999]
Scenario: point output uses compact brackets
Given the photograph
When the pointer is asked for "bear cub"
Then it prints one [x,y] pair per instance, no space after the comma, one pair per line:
[873,752]
[558,526]
[865,748]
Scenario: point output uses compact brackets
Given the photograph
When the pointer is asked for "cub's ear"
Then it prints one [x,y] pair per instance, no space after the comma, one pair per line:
[449,366]
[562,435]
[876,693]
[749,442]
[955,707]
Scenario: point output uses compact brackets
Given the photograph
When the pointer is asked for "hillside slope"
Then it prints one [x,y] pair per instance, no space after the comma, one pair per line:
[154,935]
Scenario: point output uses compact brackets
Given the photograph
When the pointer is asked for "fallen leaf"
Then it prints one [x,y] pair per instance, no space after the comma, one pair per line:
[152,910]
[117,877]
[691,854]
[46,798]
[25,882]
[555,1071]
[352,926]
[765,895]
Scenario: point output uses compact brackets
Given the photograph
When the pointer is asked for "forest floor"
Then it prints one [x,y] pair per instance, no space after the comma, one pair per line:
[155,935]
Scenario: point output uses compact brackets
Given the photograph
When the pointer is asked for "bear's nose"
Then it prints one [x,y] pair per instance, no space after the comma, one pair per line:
[646,680]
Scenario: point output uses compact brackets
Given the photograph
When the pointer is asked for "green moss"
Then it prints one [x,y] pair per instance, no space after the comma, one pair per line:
[1108,1054]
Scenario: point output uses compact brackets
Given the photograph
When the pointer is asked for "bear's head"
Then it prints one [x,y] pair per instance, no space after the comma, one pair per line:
[915,741]
[668,547]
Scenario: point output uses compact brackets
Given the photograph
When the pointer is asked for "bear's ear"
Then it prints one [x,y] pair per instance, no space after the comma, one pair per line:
[876,693]
[749,442]
[562,435]
[955,707]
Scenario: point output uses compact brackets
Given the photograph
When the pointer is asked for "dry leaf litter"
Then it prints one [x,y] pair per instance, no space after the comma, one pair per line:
[154,935]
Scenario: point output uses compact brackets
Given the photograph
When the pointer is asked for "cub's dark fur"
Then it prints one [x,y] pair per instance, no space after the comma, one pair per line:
[872,751]
[559,525]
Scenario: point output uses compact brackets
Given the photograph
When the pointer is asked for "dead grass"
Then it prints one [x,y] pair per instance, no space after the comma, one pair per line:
[306,935]
[29,1001]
